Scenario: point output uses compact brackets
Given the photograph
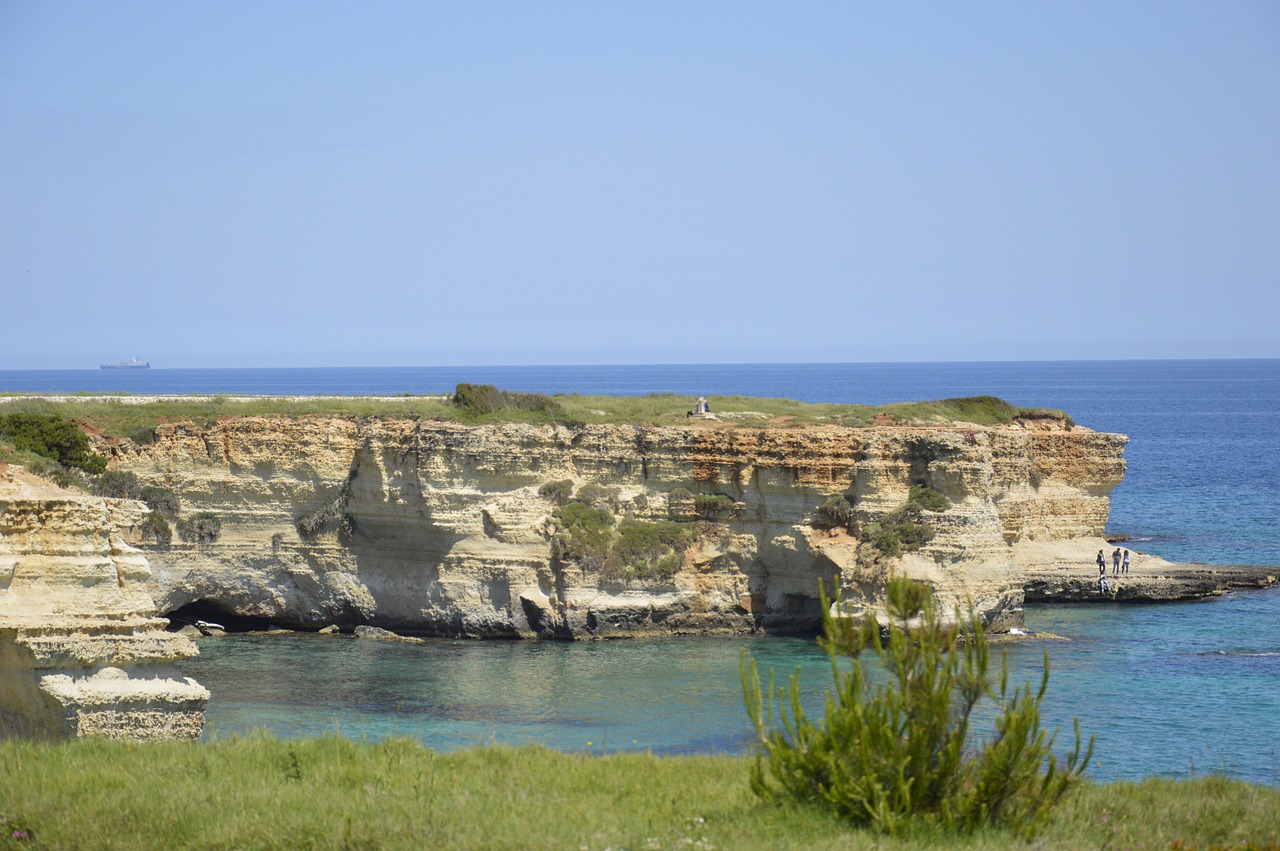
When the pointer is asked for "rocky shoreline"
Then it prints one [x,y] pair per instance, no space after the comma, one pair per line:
[1154,582]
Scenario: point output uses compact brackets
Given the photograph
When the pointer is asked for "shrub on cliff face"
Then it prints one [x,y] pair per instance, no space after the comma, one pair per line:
[117,484]
[836,511]
[588,534]
[644,550]
[927,498]
[559,491]
[203,527]
[901,531]
[155,529]
[51,437]
[902,751]
[162,500]
[906,529]
[50,470]
[712,506]
[583,534]
[597,496]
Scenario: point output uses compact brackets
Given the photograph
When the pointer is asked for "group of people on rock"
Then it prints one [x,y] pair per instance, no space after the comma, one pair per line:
[1118,566]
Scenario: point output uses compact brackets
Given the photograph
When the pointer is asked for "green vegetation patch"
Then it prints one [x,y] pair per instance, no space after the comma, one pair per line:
[50,436]
[559,491]
[486,403]
[138,420]
[927,498]
[588,533]
[156,530]
[332,793]
[1046,414]
[479,403]
[161,500]
[203,527]
[836,511]
[118,484]
[712,506]
[647,550]
[900,531]
[583,534]
[905,529]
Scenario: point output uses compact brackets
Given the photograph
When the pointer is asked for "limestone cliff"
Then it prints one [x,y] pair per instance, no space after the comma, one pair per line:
[81,651]
[440,528]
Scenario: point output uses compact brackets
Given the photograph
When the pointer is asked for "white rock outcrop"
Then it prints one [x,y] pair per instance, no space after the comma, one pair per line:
[81,649]
[438,528]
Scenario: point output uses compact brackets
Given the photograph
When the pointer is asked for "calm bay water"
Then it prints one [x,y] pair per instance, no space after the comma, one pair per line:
[1168,690]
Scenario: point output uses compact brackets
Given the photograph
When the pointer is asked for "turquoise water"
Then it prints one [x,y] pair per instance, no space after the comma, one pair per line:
[1168,690]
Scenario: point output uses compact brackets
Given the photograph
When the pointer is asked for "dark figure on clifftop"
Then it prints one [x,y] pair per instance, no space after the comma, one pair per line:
[1115,559]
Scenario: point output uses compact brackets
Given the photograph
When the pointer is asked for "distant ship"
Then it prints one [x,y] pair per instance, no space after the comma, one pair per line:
[126,364]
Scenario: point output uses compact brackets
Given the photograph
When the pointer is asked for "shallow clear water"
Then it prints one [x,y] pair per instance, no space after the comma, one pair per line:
[1167,689]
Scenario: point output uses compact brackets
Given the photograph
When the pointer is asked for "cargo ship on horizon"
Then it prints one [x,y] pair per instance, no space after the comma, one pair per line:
[126,364]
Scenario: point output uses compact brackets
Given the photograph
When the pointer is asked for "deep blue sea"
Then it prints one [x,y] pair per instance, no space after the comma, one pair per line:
[1168,690]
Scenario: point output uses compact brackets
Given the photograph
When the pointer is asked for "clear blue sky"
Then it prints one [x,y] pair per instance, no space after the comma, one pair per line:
[404,183]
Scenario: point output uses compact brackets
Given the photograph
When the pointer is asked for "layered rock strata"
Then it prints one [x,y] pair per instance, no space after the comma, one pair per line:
[440,528]
[81,649]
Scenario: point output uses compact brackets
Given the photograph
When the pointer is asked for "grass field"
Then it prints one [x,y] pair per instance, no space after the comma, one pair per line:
[132,418]
[259,792]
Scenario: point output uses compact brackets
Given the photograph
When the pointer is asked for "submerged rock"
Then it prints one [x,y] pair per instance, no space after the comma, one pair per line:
[384,635]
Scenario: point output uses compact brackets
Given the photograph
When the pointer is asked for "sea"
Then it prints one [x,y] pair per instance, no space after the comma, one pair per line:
[1171,690]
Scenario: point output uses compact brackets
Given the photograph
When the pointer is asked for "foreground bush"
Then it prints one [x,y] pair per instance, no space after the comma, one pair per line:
[902,752]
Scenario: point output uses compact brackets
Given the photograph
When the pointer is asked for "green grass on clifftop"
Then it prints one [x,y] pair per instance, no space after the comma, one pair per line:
[124,417]
[259,792]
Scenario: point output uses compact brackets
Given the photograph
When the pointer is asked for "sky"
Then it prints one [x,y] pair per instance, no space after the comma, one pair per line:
[226,184]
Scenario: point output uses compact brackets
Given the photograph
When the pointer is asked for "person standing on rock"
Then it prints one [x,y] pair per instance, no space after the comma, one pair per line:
[1115,559]
[1124,565]
[1103,586]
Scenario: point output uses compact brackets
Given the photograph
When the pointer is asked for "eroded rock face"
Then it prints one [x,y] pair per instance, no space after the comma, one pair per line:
[439,528]
[81,650]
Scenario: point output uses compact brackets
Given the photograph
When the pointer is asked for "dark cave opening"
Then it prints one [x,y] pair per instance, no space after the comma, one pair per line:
[213,612]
